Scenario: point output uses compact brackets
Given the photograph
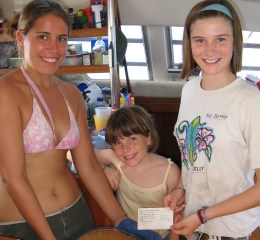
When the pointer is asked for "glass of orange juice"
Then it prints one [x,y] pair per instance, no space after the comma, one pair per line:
[101,117]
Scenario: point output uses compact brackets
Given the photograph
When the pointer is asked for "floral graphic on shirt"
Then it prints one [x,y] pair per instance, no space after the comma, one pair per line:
[193,138]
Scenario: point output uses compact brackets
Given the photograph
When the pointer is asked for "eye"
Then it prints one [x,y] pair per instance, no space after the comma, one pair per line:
[131,139]
[199,41]
[221,39]
[63,39]
[43,37]
[117,142]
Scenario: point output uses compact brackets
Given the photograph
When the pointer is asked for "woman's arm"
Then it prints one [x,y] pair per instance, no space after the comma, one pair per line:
[12,163]
[90,172]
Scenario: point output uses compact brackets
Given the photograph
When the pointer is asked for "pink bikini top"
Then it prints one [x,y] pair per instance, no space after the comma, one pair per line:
[38,135]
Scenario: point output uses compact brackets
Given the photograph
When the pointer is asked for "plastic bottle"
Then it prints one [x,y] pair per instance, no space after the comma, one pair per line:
[97,8]
[83,87]
[100,102]
[98,49]
[104,13]
[94,89]
[71,17]
[122,102]
[106,91]
[83,19]
[133,100]
[95,92]
[88,13]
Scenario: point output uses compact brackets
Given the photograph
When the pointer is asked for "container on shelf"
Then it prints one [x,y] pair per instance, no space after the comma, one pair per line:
[72,60]
[86,57]
[97,8]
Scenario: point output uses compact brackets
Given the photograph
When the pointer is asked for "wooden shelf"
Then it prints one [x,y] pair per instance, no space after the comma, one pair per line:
[70,69]
[78,33]
[89,32]
[83,69]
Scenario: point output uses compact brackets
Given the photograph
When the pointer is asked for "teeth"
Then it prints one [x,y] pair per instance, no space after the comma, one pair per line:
[129,157]
[50,60]
[211,60]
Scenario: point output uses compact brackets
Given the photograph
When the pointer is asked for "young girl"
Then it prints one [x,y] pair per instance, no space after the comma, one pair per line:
[145,176]
[218,130]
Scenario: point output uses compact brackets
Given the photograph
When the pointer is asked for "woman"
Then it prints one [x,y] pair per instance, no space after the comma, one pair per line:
[41,118]
[218,130]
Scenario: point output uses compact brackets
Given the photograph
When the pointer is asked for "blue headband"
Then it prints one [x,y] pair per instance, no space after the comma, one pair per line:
[219,8]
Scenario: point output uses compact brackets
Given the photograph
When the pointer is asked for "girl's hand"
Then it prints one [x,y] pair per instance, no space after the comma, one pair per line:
[175,200]
[187,225]
[113,176]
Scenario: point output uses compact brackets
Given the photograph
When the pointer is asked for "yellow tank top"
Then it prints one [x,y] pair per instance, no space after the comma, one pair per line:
[132,197]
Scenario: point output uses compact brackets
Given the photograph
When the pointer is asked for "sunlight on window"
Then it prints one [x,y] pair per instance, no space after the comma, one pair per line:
[135,54]
[132,31]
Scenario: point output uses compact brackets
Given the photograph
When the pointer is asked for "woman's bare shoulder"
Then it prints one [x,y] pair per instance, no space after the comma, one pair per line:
[12,85]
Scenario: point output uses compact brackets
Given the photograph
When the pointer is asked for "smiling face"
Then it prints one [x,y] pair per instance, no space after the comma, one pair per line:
[212,45]
[45,45]
[132,150]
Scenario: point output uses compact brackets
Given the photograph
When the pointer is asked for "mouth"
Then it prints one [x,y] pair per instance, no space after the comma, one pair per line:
[211,61]
[51,60]
[130,157]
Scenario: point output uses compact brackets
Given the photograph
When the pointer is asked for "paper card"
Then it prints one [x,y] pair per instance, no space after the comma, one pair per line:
[154,218]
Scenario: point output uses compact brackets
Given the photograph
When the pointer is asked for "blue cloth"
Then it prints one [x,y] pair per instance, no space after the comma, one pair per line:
[129,227]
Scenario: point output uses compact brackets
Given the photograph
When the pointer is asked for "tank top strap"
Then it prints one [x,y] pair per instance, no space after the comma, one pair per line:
[38,93]
[119,166]
[167,170]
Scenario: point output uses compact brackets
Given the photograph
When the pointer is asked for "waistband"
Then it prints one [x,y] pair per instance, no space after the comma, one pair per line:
[204,236]
[48,215]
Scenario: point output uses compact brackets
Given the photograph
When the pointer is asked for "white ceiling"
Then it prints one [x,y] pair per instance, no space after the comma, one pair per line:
[174,12]
[158,12]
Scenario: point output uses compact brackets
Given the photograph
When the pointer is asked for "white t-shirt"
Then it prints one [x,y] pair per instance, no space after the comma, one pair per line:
[218,132]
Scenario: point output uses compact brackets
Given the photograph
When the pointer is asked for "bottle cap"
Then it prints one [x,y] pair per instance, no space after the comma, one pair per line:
[100,99]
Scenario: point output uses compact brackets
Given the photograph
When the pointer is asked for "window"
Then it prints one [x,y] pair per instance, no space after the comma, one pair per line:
[136,59]
[251,51]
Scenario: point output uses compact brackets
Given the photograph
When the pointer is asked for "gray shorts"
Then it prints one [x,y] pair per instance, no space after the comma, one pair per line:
[69,223]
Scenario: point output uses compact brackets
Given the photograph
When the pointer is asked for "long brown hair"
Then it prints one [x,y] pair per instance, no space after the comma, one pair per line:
[196,13]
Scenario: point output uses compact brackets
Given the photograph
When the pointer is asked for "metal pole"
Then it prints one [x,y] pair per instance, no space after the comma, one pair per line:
[114,78]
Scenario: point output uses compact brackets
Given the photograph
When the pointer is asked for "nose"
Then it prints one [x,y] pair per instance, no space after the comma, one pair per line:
[53,45]
[125,147]
[211,48]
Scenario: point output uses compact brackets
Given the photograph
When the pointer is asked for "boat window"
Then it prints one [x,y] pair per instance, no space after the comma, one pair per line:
[136,58]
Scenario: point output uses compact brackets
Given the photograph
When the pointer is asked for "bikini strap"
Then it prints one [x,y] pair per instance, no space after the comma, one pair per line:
[167,170]
[38,93]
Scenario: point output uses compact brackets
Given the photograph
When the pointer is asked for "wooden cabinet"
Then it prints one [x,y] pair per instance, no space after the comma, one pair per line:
[79,33]
[165,112]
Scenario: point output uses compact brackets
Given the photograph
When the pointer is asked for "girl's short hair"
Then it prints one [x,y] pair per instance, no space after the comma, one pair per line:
[127,121]
[197,12]
[32,11]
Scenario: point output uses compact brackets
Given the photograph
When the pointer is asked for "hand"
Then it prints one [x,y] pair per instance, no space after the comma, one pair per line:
[113,176]
[187,225]
[175,200]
